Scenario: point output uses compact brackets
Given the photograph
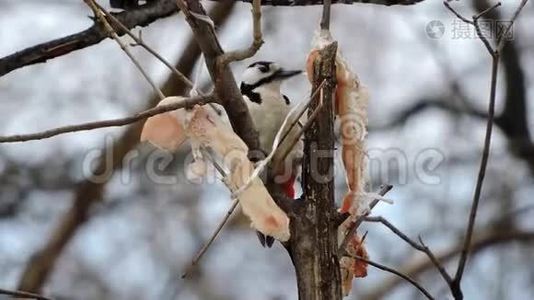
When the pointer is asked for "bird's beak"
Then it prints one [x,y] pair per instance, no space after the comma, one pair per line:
[285,74]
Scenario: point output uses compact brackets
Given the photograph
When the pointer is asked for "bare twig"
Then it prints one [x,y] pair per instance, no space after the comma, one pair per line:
[223,222]
[141,43]
[88,192]
[481,175]
[214,235]
[483,240]
[308,123]
[457,14]
[418,246]
[482,37]
[351,229]
[486,11]
[325,18]
[257,40]
[475,23]
[188,102]
[479,30]
[22,295]
[222,77]
[435,261]
[301,113]
[141,16]
[398,273]
[501,41]
[40,53]
[111,32]
[495,54]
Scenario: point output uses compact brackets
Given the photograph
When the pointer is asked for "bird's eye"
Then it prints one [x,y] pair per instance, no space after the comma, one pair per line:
[264,69]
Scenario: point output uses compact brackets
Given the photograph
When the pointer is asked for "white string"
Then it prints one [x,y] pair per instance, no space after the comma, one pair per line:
[198,73]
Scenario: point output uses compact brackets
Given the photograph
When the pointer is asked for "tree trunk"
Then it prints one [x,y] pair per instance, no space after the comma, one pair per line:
[313,245]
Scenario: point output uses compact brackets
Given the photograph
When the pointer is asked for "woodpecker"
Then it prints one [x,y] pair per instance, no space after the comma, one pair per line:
[268,107]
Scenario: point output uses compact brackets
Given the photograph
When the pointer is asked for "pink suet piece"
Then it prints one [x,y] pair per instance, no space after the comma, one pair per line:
[256,202]
[350,106]
[165,131]
[204,129]
[351,100]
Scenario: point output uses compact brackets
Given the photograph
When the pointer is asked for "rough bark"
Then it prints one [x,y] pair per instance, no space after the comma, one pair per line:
[418,266]
[513,120]
[313,245]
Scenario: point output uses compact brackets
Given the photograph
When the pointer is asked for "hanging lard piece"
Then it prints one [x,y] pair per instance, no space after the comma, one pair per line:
[351,108]
[208,131]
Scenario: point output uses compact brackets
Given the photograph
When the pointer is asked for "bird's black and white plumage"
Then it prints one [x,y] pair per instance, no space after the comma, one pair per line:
[268,107]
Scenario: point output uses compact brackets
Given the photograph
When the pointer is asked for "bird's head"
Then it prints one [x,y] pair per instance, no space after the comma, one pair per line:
[264,74]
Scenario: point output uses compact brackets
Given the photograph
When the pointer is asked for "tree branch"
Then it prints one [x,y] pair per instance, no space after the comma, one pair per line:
[22,295]
[229,212]
[352,227]
[501,41]
[495,54]
[482,240]
[513,120]
[480,181]
[398,273]
[141,16]
[257,40]
[186,103]
[40,53]
[325,17]
[418,246]
[221,75]
[139,42]
[101,18]
[313,243]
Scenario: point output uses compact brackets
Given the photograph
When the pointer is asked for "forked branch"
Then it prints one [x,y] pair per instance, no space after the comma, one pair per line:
[111,32]
[495,53]
[398,273]
[139,41]
[257,39]
[418,246]
[384,189]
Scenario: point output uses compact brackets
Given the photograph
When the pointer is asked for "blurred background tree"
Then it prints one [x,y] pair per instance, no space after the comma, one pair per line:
[131,238]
